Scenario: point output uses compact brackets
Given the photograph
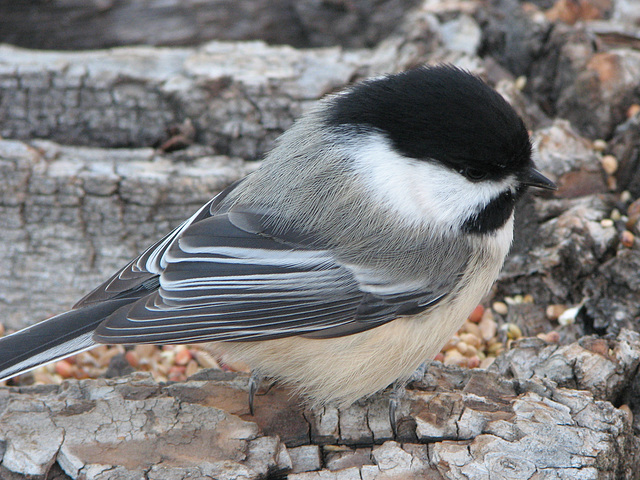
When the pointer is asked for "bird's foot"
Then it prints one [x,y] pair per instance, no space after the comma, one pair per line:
[418,374]
[398,392]
[254,384]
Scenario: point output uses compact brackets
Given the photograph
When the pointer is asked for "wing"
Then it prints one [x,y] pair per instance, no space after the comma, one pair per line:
[229,275]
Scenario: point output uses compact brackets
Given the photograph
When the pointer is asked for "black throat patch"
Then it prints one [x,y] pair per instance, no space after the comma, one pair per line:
[495,214]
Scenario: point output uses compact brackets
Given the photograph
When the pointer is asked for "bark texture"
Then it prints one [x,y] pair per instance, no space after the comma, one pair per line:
[103,151]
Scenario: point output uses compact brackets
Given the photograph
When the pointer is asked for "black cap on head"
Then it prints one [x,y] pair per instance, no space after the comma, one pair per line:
[441,113]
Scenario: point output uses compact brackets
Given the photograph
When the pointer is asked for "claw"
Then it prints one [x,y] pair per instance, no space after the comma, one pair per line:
[393,407]
[254,384]
[398,392]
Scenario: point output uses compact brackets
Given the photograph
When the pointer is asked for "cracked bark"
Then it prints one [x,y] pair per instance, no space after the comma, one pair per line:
[520,423]
[71,216]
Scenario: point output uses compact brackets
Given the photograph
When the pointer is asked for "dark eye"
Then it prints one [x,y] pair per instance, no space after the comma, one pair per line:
[474,174]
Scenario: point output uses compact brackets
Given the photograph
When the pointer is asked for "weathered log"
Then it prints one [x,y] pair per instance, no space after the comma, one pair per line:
[541,410]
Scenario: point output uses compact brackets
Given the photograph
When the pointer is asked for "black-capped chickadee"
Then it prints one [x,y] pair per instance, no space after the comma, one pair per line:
[360,245]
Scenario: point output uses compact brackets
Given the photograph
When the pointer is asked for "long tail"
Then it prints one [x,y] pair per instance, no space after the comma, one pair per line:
[54,338]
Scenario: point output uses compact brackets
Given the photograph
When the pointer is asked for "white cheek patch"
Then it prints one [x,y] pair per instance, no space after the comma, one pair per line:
[420,191]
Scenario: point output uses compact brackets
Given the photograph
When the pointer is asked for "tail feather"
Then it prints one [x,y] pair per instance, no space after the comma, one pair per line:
[54,338]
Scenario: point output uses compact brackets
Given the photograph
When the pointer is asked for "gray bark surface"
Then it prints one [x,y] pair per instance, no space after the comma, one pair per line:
[71,216]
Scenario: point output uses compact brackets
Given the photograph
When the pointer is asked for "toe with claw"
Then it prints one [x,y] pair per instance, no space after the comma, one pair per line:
[254,385]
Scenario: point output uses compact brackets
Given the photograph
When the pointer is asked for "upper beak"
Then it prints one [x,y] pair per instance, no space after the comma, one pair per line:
[534,178]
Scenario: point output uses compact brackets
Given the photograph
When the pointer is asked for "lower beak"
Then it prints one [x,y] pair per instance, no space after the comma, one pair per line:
[534,178]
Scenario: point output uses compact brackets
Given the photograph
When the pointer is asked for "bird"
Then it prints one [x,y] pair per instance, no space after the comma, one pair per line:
[368,234]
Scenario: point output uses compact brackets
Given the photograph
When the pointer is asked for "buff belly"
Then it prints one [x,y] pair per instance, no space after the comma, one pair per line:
[344,369]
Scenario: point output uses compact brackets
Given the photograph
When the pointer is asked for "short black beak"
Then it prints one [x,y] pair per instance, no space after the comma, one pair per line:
[534,178]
